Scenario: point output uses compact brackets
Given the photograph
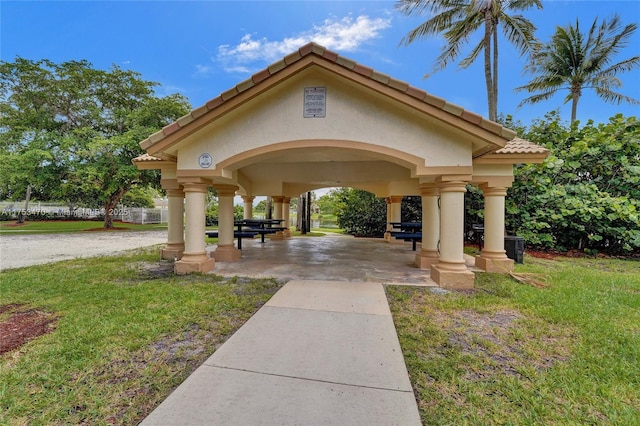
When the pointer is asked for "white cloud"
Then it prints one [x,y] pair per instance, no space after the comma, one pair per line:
[345,34]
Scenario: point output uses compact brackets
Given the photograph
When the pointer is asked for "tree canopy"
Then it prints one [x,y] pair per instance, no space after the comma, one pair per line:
[70,131]
[574,61]
[457,20]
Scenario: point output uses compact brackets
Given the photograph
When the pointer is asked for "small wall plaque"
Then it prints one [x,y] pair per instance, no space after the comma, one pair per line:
[315,102]
[205,161]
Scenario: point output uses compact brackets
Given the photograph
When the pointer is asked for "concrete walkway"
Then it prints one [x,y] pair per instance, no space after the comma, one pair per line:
[318,353]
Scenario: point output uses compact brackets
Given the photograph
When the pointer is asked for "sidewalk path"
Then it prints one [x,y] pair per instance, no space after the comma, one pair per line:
[318,353]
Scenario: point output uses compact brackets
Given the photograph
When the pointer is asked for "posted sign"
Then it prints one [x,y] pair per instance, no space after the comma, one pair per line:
[315,102]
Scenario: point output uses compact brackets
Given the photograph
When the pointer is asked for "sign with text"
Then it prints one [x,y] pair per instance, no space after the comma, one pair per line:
[315,102]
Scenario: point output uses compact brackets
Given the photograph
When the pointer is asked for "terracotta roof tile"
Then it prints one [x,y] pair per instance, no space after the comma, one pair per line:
[292,57]
[416,93]
[145,158]
[229,94]
[245,85]
[380,77]
[471,117]
[315,49]
[521,146]
[171,128]
[364,70]
[453,109]
[215,102]
[261,75]
[435,101]
[345,62]
[184,120]
[398,85]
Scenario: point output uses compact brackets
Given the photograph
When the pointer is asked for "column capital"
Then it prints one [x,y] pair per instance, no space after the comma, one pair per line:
[452,186]
[387,200]
[248,198]
[226,190]
[429,189]
[396,199]
[277,199]
[286,200]
[494,191]
[175,193]
[194,187]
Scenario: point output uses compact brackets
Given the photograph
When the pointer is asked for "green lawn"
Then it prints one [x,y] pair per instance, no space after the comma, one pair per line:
[510,353]
[128,331]
[50,227]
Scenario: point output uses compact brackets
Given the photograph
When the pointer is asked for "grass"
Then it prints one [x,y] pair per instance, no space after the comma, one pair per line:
[508,353]
[128,331]
[50,227]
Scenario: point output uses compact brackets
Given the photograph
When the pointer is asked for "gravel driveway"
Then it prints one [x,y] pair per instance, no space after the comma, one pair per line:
[25,250]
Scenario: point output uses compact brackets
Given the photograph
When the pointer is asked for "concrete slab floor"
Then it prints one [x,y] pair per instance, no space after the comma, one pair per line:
[333,257]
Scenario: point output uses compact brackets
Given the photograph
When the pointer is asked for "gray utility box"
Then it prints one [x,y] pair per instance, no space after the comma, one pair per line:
[514,247]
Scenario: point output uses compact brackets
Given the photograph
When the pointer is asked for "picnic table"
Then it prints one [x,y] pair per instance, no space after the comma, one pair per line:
[261,226]
[407,231]
[236,234]
[249,228]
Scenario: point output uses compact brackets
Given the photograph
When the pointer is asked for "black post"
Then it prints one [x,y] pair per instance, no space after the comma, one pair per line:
[308,213]
[303,218]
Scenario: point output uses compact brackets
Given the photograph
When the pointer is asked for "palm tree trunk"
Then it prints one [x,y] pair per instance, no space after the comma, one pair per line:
[487,63]
[574,107]
[494,116]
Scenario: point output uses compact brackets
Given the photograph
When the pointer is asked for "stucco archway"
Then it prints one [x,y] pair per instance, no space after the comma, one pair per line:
[316,119]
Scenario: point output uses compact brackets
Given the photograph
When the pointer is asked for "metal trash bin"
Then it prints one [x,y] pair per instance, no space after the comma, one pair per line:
[514,246]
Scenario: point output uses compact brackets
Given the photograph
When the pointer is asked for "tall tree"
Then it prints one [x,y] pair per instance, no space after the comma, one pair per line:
[575,61]
[456,20]
[70,131]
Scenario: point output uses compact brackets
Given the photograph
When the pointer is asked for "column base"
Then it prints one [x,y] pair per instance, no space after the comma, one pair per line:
[172,251]
[287,233]
[191,263]
[453,279]
[499,265]
[387,235]
[278,236]
[426,260]
[394,240]
[226,254]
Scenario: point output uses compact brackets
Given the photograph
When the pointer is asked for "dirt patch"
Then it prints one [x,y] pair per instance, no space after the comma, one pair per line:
[504,342]
[22,325]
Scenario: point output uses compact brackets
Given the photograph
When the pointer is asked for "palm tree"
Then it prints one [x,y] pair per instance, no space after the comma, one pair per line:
[458,19]
[574,61]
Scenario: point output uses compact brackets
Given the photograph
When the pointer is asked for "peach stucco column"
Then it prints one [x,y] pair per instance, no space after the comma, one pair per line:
[194,258]
[248,206]
[493,257]
[286,209]
[451,271]
[396,213]
[226,251]
[430,226]
[175,229]
[277,214]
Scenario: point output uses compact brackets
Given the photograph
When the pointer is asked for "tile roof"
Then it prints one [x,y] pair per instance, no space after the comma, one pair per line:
[320,51]
[146,158]
[521,146]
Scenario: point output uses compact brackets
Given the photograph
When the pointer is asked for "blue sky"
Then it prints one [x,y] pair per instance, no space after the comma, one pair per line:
[202,48]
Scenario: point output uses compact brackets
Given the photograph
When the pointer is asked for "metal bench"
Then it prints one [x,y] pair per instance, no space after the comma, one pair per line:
[414,237]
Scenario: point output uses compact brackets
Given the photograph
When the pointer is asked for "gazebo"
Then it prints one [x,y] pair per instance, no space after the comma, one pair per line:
[316,119]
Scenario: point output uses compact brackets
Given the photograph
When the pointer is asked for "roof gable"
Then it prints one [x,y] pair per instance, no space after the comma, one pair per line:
[314,55]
